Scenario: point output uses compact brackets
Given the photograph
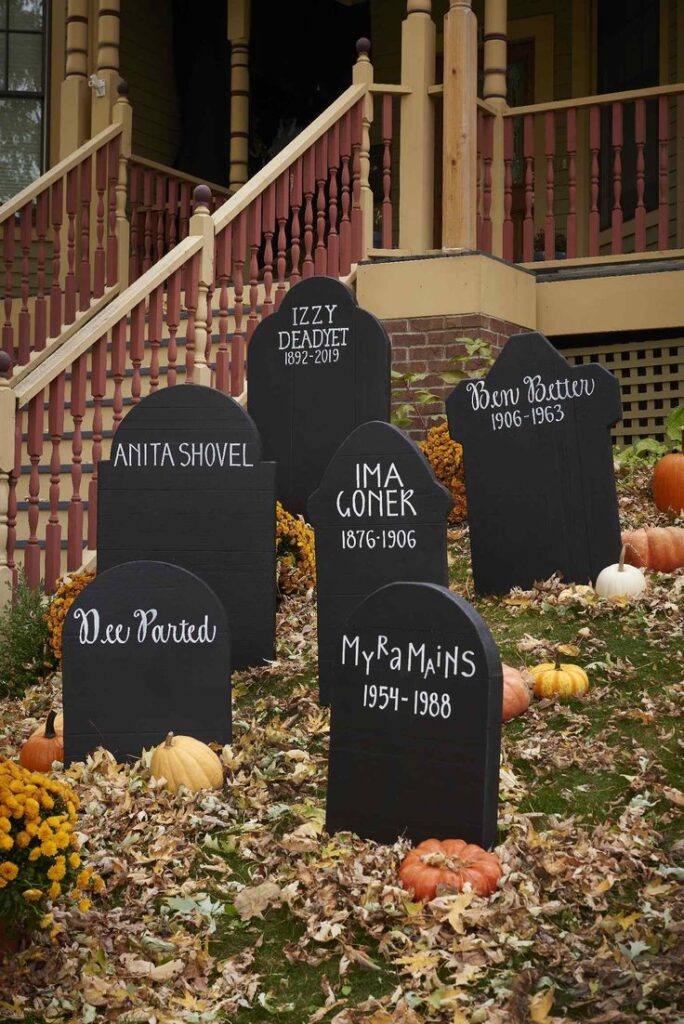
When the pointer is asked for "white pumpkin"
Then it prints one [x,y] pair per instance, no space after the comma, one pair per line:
[620,580]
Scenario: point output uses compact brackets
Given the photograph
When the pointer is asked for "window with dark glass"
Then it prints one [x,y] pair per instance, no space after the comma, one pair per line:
[22,93]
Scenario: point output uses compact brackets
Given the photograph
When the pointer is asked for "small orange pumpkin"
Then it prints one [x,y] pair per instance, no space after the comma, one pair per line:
[516,694]
[449,863]
[40,750]
[668,482]
[655,547]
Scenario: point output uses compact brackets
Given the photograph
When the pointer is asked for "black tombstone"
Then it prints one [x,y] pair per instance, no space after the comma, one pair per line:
[145,651]
[538,466]
[415,730]
[317,368]
[185,484]
[379,516]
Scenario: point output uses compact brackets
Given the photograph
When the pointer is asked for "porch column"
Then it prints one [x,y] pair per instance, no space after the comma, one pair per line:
[108,32]
[238,36]
[417,154]
[74,95]
[459,188]
[494,91]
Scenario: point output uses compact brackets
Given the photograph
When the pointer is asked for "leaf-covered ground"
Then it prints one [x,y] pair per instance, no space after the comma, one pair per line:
[236,906]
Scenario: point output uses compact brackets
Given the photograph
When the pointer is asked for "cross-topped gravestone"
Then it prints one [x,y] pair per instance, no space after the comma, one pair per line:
[145,651]
[317,368]
[185,484]
[538,466]
[379,516]
[415,725]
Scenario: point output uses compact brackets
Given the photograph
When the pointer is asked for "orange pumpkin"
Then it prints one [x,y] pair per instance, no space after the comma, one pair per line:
[39,751]
[516,694]
[655,547]
[449,863]
[668,482]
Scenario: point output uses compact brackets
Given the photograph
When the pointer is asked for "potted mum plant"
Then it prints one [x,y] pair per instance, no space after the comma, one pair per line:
[40,861]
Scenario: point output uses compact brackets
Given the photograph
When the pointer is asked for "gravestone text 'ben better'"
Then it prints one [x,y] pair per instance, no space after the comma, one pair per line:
[415,727]
[185,484]
[379,516]
[317,368]
[538,466]
[145,651]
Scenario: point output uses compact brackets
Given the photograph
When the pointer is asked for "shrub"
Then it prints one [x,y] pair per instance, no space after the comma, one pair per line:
[295,553]
[25,655]
[446,458]
[68,589]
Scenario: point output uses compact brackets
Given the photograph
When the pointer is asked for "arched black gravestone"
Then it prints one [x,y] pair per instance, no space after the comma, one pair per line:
[538,466]
[380,516]
[185,484]
[145,651]
[316,369]
[415,730]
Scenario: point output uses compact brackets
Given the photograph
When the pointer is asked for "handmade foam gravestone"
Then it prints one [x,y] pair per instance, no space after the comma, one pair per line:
[185,484]
[317,368]
[379,516]
[538,466]
[145,651]
[415,725]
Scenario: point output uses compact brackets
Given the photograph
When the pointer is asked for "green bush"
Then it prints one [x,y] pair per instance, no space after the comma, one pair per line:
[25,654]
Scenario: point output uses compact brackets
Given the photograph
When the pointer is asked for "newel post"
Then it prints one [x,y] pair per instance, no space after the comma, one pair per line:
[363,75]
[201,223]
[123,116]
[7,441]
[459,187]
[74,100]
[417,153]
[494,92]
[106,77]
[238,36]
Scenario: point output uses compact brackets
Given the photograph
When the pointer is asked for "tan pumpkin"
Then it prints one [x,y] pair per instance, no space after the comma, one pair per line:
[552,679]
[668,482]
[43,747]
[516,694]
[184,761]
[655,547]
[450,863]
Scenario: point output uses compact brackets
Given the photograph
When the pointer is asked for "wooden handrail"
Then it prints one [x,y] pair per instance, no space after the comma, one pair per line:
[29,193]
[181,175]
[287,156]
[386,90]
[118,308]
[595,101]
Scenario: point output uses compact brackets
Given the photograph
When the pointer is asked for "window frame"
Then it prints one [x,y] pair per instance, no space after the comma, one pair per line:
[42,95]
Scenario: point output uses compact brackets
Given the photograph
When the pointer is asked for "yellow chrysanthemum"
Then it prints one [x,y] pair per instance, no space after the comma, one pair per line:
[74,860]
[5,825]
[22,839]
[32,894]
[8,871]
[6,842]
[57,872]
[54,891]
[84,905]
[446,458]
[35,853]
[83,879]
[32,807]
[48,848]
[67,590]
[295,552]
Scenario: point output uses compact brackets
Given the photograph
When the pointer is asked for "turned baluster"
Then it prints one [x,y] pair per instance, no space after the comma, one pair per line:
[387,172]
[75,517]
[112,237]
[487,160]
[98,387]
[147,223]
[296,205]
[70,280]
[321,171]
[308,185]
[254,222]
[184,222]
[333,165]
[99,257]
[345,195]
[8,259]
[135,188]
[25,232]
[191,292]
[160,214]
[119,334]
[53,530]
[172,213]
[173,315]
[594,149]
[356,212]
[14,478]
[571,131]
[34,447]
[40,308]
[508,189]
[84,265]
[478,180]
[282,185]
[224,243]
[154,332]
[663,172]
[237,355]
[616,212]
[137,349]
[269,228]
[549,215]
[528,158]
[56,207]
[640,208]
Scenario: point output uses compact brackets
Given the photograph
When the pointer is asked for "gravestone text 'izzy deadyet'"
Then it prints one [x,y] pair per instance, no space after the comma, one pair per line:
[538,466]
[145,651]
[317,368]
[185,484]
[415,727]
[379,516]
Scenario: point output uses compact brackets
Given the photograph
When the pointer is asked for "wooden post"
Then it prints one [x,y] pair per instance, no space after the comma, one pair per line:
[75,94]
[108,31]
[417,156]
[238,35]
[494,91]
[363,75]
[123,115]
[202,224]
[7,441]
[459,189]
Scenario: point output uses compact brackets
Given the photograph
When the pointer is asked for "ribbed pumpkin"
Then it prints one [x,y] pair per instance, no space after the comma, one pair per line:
[516,694]
[552,679]
[620,580]
[655,547]
[668,482]
[184,761]
[43,747]
[450,863]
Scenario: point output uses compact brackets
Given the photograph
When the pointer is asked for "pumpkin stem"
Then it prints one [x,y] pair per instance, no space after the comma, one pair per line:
[556,662]
[168,742]
[621,560]
[49,730]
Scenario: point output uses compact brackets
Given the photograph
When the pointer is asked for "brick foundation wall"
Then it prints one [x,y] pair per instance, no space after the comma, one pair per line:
[427,344]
